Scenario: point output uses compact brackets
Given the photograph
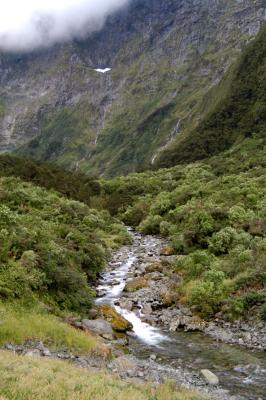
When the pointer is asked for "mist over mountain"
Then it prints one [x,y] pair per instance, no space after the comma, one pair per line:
[27,25]
[113,101]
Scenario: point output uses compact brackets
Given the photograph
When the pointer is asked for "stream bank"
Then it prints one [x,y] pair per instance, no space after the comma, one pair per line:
[169,336]
[166,342]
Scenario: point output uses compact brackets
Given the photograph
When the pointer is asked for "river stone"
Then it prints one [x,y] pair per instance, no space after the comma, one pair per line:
[32,353]
[146,309]
[126,304]
[46,353]
[210,377]
[123,365]
[174,325]
[107,336]
[98,326]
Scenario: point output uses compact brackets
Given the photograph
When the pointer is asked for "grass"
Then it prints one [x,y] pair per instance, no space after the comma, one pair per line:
[19,326]
[23,378]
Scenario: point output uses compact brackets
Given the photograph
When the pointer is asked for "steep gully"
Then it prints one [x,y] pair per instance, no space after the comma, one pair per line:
[241,372]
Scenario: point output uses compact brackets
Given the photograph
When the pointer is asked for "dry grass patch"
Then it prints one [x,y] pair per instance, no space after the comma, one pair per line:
[27,379]
[136,284]
[18,327]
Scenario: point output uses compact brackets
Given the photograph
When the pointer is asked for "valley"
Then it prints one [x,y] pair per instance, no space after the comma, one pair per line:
[133,206]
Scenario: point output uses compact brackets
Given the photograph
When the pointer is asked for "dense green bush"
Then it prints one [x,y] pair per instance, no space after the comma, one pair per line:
[151,225]
[197,263]
[222,241]
[52,248]
[206,295]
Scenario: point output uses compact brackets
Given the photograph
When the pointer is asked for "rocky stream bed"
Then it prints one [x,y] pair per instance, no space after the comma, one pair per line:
[164,340]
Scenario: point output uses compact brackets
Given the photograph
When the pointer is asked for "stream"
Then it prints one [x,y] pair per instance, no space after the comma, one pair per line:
[241,372]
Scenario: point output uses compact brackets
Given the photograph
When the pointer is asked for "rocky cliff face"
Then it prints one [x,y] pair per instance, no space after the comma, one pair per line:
[164,58]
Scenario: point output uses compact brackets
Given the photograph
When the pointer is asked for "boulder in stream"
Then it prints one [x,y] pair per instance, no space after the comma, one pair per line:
[210,377]
[98,326]
[118,323]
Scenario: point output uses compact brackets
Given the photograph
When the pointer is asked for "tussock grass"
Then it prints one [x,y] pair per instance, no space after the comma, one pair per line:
[17,327]
[23,378]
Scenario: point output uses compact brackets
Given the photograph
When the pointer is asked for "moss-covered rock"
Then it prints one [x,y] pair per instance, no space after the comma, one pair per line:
[167,251]
[136,284]
[119,323]
[154,267]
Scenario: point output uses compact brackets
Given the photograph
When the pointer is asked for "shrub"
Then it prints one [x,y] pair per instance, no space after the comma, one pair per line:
[238,215]
[241,255]
[151,225]
[253,298]
[166,228]
[16,281]
[162,204]
[206,295]
[178,244]
[249,278]
[234,309]
[238,307]
[195,264]
[136,213]
[257,227]
[7,217]
[222,241]
[201,221]
[263,313]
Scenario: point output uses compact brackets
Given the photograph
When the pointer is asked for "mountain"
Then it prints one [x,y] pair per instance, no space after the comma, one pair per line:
[165,57]
[239,110]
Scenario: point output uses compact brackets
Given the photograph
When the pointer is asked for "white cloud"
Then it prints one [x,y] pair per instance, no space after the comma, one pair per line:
[29,24]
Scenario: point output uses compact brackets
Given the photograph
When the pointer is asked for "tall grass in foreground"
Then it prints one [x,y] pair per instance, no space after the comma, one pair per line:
[23,378]
[17,327]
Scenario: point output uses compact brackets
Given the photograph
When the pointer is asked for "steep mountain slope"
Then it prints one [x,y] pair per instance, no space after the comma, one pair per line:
[165,56]
[239,112]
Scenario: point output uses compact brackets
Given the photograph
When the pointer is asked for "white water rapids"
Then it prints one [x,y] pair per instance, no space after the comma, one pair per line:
[112,292]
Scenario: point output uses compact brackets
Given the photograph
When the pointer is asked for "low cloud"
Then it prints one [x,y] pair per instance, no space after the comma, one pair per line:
[30,24]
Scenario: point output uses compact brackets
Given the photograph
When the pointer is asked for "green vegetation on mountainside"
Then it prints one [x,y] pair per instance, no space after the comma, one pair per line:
[240,112]
[75,185]
[214,214]
[165,58]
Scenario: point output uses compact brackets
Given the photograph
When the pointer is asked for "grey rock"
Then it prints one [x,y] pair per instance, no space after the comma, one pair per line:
[98,326]
[46,352]
[107,336]
[146,309]
[126,304]
[210,377]
[32,353]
